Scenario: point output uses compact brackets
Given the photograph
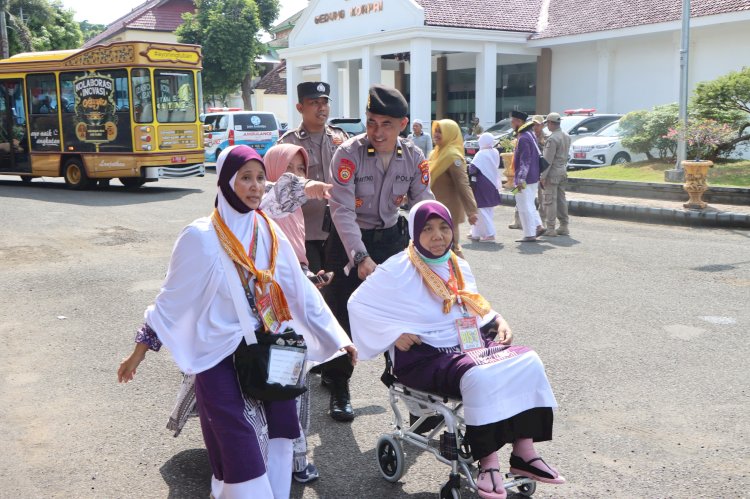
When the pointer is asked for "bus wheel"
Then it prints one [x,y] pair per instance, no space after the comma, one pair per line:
[75,174]
[132,182]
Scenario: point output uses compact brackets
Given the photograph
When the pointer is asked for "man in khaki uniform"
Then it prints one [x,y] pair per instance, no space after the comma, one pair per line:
[320,141]
[372,174]
[555,178]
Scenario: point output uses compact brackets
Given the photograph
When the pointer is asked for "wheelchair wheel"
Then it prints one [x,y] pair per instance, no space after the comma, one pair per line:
[450,493]
[527,489]
[390,458]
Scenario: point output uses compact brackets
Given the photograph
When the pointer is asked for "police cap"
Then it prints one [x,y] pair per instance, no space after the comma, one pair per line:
[313,90]
[386,101]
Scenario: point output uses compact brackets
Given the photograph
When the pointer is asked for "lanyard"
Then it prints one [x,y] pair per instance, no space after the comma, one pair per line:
[243,273]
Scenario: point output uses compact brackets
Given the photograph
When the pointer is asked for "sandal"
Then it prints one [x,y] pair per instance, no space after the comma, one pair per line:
[494,493]
[524,468]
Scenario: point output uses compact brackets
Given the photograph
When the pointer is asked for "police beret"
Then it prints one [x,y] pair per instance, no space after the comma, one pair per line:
[386,101]
[313,90]
[519,114]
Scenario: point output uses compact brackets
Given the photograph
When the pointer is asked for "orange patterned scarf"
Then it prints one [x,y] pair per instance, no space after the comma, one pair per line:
[263,278]
[473,301]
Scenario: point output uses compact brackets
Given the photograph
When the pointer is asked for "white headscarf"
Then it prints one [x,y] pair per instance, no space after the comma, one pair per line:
[487,159]
[239,223]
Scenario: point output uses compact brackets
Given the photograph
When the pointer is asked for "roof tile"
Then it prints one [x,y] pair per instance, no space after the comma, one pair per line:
[573,17]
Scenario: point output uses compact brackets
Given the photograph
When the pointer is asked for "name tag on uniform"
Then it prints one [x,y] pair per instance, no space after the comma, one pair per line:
[468,334]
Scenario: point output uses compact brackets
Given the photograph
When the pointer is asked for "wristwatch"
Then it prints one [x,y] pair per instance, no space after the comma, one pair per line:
[359,256]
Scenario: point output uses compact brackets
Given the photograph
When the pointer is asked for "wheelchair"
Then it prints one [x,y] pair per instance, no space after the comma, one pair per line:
[438,429]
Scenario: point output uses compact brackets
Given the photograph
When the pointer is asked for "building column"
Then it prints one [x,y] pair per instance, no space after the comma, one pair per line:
[441,87]
[486,85]
[352,89]
[544,81]
[329,73]
[370,76]
[603,77]
[420,84]
[293,78]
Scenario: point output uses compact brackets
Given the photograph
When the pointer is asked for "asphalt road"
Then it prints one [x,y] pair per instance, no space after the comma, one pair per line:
[642,328]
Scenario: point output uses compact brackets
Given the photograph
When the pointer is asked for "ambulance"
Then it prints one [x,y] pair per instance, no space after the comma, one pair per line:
[224,127]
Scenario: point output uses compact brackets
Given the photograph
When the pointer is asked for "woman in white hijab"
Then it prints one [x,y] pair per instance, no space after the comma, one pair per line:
[202,314]
[484,176]
[423,306]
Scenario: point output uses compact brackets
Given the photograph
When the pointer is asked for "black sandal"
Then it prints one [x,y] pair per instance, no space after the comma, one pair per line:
[524,468]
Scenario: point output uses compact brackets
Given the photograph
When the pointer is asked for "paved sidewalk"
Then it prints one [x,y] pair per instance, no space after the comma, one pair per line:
[650,210]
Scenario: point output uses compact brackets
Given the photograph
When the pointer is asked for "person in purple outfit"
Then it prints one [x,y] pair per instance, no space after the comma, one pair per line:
[206,309]
[484,177]
[422,305]
[526,181]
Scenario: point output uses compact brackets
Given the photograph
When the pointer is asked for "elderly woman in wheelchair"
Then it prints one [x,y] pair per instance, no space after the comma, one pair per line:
[422,307]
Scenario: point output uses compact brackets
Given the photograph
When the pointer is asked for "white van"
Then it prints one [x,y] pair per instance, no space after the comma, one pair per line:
[225,127]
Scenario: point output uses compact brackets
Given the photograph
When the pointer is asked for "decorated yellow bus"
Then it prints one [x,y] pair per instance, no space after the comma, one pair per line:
[127,110]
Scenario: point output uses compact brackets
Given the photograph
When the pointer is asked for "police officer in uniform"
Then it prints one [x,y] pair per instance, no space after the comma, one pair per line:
[372,174]
[320,140]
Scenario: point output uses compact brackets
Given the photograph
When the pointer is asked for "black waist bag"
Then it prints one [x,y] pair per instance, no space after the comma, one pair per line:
[252,364]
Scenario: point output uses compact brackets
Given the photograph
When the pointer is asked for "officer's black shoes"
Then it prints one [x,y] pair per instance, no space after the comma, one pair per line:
[340,406]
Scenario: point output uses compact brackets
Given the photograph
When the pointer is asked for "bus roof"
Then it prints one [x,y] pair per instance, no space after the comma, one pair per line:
[126,53]
[51,55]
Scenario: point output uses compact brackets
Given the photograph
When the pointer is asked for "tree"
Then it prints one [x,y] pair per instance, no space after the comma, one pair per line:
[36,25]
[89,31]
[646,131]
[726,100]
[228,31]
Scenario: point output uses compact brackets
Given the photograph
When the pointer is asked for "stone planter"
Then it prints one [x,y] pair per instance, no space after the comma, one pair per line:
[508,169]
[695,182]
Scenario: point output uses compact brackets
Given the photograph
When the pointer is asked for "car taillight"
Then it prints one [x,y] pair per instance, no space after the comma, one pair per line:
[231,137]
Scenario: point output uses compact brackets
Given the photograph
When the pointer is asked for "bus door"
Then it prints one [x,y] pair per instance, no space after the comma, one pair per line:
[14,142]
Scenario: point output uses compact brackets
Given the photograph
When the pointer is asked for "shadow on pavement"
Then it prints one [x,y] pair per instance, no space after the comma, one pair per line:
[188,474]
[484,247]
[114,195]
[562,241]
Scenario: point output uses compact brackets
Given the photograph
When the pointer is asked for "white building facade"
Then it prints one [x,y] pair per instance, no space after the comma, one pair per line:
[460,58]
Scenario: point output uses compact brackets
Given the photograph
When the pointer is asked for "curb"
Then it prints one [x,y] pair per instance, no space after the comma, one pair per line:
[648,214]
[651,190]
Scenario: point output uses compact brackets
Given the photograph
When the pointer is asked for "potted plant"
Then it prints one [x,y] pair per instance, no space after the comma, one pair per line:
[506,146]
[702,137]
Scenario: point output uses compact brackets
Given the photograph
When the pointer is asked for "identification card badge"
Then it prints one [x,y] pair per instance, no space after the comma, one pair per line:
[468,334]
[285,365]
[265,309]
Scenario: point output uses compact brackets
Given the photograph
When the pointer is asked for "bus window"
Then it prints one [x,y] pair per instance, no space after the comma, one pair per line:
[175,96]
[99,119]
[14,144]
[142,103]
[44,122]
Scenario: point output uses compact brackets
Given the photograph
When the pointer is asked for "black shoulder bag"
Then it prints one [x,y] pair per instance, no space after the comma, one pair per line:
[263,368]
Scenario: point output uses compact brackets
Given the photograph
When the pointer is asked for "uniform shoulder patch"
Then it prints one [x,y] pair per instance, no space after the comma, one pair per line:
[345,171]
[424,170]
[457,162]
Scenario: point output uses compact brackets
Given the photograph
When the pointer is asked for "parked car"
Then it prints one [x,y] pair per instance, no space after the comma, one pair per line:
[601,149]
[581,124]
[352,126]
[231,126]
[499,130]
